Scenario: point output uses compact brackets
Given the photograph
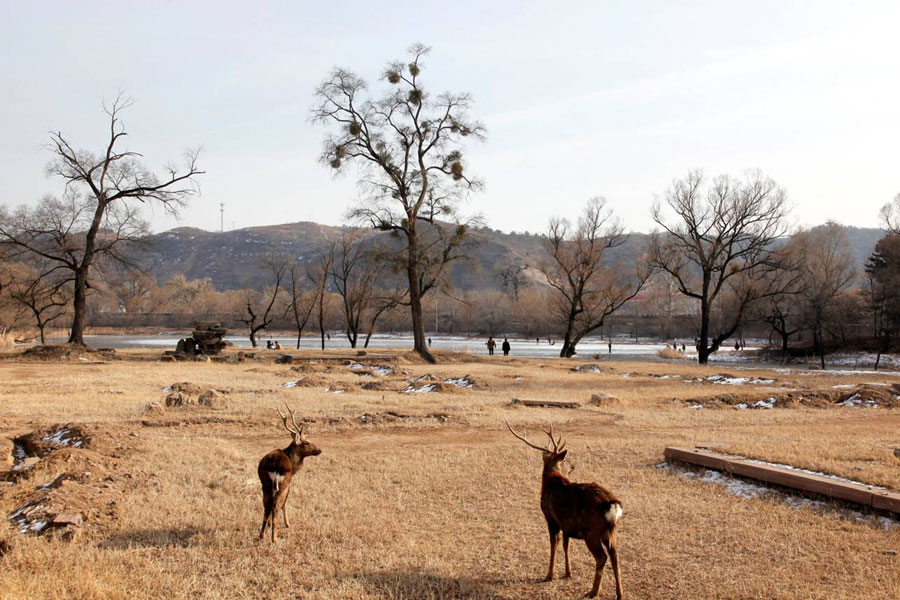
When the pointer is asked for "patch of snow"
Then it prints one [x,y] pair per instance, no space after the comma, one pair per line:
[856,400]
[697,406]
[294,383]
[767,403]
[459,382]
[60,437]
[742,405]
[419,390]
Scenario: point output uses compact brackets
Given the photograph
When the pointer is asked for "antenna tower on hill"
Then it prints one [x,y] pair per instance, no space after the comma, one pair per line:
[222,217]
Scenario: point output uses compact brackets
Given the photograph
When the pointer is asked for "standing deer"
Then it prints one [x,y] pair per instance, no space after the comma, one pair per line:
[276,470]
[584,511]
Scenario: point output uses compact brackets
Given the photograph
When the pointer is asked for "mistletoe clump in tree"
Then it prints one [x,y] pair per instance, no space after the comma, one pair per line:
[407,146]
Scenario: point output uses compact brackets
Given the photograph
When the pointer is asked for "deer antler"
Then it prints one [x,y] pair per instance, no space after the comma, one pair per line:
[296,429]
[559,444]
[524,439]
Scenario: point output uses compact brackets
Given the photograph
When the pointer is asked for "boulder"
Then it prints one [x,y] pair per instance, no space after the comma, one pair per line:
[186,387]
[284,359]
[212,399]
[68,519]
[604,399]
[177,399]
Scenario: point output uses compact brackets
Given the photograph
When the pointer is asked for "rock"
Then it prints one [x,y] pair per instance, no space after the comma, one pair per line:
[284,359]
[897,452]
[604,399]
[361,352]
[212,399]
[186,387]
[67,519]
[5,547]
[153,407]
[234,359]
[176,399]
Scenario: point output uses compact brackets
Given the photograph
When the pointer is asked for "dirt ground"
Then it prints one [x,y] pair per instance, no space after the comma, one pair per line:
[425,494]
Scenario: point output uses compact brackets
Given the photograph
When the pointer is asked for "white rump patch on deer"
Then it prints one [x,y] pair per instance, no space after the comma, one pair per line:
[614,513]
[276,480]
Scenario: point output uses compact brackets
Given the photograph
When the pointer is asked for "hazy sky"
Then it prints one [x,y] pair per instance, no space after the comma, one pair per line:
[579,98]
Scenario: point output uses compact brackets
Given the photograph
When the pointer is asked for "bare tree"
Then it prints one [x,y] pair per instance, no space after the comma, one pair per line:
[407,147]
[35,288]
[260,307]
[720,246]
[826,271]
[588,287]
[317,273]
[354,271]
[97,215]
[890,215]
[301,299]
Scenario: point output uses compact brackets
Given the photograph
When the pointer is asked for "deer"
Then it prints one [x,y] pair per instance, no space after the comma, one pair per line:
[277,468]
[585,511]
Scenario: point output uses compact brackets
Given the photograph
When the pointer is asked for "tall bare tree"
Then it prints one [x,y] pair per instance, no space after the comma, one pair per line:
[720,246]
[588,286]
[826,271]
[260,307]
[38,290]
[317,273]
[354,271]
[406,144]
[883,270]
[98,215]
[301,298]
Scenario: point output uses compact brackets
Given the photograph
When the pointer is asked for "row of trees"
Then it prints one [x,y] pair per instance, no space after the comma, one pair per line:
[720,244]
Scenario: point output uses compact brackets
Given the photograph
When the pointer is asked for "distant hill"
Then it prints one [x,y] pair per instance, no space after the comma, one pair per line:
[233,259]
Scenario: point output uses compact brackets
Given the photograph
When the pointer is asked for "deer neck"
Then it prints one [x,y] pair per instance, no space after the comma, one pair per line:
[295,457]
[552,474]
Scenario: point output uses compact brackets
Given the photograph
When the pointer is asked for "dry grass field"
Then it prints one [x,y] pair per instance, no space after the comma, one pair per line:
[426,495]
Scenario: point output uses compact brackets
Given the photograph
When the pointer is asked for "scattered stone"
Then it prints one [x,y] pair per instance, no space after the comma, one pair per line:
[604,399]
[185,387]
[212,399]
[284,359]
[177,400]
[897,452]
[234,359]
[152,407]
[68,519]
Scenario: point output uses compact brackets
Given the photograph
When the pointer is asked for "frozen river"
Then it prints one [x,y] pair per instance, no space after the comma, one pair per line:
[475,345]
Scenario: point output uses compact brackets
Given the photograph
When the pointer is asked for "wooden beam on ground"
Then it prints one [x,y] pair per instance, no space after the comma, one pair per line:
[858,493]
[545,403]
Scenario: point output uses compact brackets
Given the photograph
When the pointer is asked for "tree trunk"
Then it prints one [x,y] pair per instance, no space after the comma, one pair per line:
[703,348]
[79,305]
[299,335]
[415,298]
[253,339]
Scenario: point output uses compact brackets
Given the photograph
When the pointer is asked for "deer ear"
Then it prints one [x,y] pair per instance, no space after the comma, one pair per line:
[562,455]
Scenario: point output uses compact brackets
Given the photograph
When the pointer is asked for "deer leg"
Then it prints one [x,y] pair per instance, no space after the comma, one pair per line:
[284,507]
[614,559]
[268,505]
[278,504]
[554,541]
[566,553]
[600,556]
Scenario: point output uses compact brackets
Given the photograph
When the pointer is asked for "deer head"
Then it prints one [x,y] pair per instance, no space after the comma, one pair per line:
[553,453]
[300,447]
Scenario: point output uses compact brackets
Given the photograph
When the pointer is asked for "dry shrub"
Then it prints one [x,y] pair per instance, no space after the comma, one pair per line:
[670,353]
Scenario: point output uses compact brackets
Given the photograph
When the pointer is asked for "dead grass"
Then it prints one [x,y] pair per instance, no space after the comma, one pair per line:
[421,507]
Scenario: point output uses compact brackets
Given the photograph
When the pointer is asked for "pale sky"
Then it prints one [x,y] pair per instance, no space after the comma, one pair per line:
[579,98]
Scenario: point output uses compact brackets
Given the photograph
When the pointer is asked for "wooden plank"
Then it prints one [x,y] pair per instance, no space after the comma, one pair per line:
[886,501]
[858,493]
[545,403]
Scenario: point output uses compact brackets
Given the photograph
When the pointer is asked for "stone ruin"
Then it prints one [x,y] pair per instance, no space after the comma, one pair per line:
[207,339]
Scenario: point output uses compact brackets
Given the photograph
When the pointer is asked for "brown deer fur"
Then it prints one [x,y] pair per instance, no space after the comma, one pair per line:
[277,468]
[581,511]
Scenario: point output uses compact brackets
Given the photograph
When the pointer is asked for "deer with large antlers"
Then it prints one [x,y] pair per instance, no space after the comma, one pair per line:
[276,470]
[585,511]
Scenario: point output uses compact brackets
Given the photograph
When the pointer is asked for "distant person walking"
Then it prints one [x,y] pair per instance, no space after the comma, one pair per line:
[505,347]
[609,343]
[429,342]
[491,344]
